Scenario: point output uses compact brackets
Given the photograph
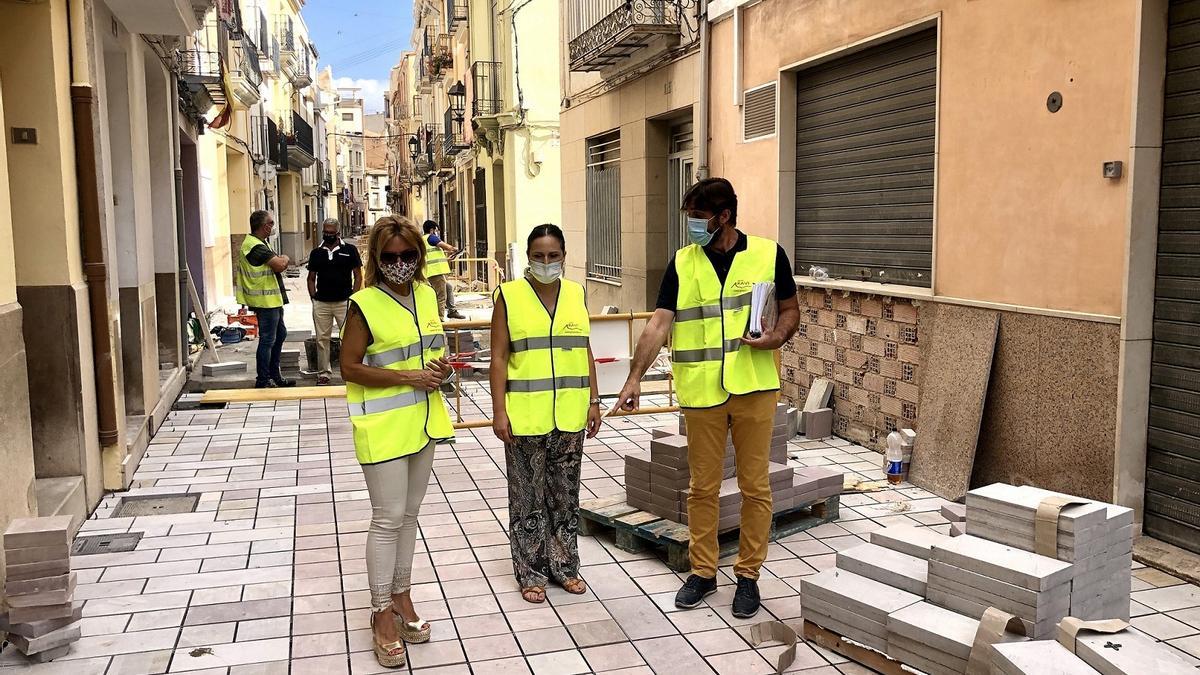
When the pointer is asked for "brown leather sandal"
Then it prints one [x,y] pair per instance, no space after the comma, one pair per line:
[574,586]
[538,593]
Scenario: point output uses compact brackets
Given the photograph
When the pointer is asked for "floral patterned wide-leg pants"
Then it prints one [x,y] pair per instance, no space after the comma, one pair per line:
[543,506]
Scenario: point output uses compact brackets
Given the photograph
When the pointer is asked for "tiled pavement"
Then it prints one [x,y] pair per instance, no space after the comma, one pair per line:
[268,575]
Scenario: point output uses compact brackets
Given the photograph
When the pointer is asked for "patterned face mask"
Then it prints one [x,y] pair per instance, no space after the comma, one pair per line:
[399,273]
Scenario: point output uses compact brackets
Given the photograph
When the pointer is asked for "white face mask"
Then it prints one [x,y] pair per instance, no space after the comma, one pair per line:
[546,273]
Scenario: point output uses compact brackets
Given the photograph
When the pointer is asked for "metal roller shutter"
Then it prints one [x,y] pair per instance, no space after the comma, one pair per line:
[1173,442]
[865,162]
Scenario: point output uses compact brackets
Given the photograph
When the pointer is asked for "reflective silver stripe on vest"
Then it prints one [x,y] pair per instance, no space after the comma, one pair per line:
[549,384]
[252,272]
[405,352]
[258,293]
[378,405]
[701,312]
[706,354]
[736,301]
[559,342]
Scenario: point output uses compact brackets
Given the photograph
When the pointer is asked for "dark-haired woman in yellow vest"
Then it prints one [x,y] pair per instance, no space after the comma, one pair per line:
[543,402]
[393,362]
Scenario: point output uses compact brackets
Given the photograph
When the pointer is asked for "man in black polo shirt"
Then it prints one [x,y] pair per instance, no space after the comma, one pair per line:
[334,273]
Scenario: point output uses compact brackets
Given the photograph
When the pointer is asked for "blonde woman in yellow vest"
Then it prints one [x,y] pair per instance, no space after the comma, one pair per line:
[544,401]
[393,362]
[727,379]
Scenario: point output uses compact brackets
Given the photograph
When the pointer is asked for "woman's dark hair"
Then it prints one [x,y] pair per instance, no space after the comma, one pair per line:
[429,226]
[546,230]
[713,195]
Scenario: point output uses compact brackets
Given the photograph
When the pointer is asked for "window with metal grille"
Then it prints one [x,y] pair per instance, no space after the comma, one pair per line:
[604,207]
[758,112]
[865,126]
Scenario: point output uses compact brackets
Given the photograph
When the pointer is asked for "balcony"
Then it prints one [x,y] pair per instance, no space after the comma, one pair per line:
[201,73]
[267,143]
[289,57]
[485,88]
[608,33]
[300,149]
[302,73]
[246,77]
[456,14]
[453,140]
[160,17]
[437,55]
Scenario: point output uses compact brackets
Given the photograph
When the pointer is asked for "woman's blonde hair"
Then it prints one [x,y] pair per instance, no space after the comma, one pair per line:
[382,232]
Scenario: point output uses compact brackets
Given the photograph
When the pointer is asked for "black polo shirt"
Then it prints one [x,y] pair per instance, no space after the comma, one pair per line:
[785,284]
[335,271]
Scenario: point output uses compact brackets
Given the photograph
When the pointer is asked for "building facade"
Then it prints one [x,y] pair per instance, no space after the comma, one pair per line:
[474,125]
[93,290]
[1053,192]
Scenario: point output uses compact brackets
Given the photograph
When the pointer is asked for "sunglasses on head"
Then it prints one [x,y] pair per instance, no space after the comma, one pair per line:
[409,256]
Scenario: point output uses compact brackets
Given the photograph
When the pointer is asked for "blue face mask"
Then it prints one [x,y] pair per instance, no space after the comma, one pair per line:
[697,230]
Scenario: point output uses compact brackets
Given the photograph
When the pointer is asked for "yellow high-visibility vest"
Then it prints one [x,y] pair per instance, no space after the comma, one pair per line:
[549,383]
[708,359]
[391,422]
[436,263]
[257,285]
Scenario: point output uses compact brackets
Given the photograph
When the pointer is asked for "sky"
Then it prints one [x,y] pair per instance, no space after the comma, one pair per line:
[362,40]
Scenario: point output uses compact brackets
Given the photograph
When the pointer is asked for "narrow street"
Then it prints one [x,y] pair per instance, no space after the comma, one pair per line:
[268,575]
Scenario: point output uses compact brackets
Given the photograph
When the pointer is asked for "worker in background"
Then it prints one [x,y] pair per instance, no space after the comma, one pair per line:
[334,272]
[437,269]
[260,287]
[542,361]
[726,382]
[393,361]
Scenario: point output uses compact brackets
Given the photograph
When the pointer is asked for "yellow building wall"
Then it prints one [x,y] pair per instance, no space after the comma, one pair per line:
[8,270]
[1023,215]
[46,244]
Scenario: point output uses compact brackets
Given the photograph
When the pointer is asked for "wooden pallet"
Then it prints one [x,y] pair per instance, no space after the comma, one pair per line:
[636,530]
[857,653]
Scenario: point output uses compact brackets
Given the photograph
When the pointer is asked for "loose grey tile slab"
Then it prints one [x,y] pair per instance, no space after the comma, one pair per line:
[1036,658]
[886,566]
[908,539]
[1128,653]
[37,532]
[812,605]
[935,626]
[862,596]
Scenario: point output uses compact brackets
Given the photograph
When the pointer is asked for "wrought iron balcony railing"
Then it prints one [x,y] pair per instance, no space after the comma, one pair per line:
[605,33]
[485,88]
[454,140]
[456,13]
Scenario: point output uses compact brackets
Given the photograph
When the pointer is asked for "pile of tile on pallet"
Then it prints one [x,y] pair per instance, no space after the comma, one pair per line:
[1127,652]
[657,480]
[1096,538]
[42,621]
[917,594]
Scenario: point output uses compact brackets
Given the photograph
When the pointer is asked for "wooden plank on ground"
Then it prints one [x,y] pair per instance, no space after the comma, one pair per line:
[857,653]
[957,345]
[272,394]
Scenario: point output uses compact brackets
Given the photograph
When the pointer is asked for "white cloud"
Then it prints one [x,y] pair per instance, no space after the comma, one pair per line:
[372,91]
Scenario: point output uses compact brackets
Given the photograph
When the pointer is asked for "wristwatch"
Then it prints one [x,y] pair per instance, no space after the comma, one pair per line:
[594,401]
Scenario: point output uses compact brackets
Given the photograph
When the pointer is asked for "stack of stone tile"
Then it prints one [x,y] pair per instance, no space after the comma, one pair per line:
[1096,538]
[853,606]
[968,574]
[657,481]
[1037,656]
[1126,652]
[931,638]
[42,620]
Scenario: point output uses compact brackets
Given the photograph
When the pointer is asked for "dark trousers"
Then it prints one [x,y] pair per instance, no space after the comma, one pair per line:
[543,506]
[271,334]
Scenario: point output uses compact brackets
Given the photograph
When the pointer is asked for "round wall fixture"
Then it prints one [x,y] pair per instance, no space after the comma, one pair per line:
[1054,102]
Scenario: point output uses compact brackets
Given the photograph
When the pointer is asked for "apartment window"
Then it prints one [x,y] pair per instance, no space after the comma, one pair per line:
[680,176]
[347,117]
[865,163]
[604,207]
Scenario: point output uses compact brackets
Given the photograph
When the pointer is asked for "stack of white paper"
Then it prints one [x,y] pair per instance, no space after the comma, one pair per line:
[762,309]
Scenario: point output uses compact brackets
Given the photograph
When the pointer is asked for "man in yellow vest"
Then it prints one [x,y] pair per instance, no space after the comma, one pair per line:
[260,287]
[726,380]
[437,269]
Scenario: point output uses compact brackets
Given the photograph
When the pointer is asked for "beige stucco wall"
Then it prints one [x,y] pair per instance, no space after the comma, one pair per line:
[8,270]
[1023,215]
[635,108]
[47,247]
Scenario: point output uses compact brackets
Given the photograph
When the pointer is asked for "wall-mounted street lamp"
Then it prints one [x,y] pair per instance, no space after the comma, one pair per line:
[458,100]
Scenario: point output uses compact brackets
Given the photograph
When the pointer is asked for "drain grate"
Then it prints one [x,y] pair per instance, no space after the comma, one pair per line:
[156,505]
[106,543]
